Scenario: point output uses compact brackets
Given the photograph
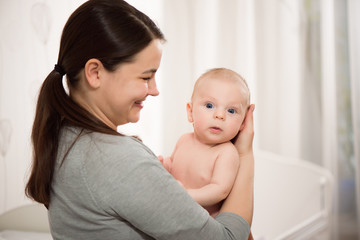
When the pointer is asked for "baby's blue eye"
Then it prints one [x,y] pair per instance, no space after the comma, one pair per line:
[209,105]
[231,110]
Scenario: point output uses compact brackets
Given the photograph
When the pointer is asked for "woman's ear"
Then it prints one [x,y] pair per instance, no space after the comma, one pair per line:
[189,109]
[92,72]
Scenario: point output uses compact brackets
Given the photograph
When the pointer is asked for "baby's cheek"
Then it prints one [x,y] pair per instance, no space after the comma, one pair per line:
[235,126]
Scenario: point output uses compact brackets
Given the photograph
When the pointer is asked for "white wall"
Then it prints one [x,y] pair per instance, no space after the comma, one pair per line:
[30,34]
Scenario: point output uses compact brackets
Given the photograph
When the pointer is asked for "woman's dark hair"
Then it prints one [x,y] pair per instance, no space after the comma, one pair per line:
[111,31]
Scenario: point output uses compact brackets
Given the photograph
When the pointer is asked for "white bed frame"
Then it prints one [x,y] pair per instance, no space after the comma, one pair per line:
[31,217]
[292,199]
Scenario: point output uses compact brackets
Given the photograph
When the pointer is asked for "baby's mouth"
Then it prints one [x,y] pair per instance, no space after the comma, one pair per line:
[215,129]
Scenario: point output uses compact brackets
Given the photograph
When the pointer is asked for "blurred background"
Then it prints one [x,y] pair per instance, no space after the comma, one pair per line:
[301,59]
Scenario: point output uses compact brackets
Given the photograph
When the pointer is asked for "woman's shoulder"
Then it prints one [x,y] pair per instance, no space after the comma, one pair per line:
[113,140]
[118,143]
[97,155]
[106,144]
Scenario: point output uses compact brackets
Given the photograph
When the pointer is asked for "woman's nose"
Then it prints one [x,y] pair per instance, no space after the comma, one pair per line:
[152,88]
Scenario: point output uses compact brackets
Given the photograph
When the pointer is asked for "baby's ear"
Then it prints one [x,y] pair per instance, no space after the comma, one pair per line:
[189,112]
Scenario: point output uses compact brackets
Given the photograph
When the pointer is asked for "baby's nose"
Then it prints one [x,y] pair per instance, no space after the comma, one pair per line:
[219,115]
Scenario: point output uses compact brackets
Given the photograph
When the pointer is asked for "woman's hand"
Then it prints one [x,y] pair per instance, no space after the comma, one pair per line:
[240,200]
[244,140]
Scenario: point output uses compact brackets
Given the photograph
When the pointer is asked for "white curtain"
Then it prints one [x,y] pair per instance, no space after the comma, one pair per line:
[340,105]
[301,59]
[354,52]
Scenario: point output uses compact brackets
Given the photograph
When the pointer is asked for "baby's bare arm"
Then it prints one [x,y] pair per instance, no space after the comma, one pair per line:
[167,161]
[223,177]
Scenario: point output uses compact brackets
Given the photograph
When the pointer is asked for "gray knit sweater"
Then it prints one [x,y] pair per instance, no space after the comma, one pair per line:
[114,187]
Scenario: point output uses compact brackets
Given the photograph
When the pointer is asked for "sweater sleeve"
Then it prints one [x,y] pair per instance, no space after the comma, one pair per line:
[133,185]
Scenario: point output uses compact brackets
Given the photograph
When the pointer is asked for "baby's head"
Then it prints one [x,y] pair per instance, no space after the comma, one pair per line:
[218,105]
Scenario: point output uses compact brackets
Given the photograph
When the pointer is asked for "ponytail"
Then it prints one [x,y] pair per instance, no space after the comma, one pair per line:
[44,136]
[53,110]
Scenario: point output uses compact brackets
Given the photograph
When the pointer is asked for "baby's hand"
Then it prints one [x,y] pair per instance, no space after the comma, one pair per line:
[166,162]
[161,159]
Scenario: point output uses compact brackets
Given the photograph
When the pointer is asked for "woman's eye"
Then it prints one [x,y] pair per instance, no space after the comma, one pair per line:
[147,77]
[231,110]
[209,105]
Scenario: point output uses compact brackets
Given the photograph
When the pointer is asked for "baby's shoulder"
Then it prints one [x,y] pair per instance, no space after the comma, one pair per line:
[227,145]
[227,148]
[186,137]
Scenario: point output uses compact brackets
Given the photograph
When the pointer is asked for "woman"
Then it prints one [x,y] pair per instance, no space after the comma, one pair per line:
[95,182]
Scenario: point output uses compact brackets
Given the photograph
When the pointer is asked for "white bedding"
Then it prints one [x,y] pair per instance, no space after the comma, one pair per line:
[23,235]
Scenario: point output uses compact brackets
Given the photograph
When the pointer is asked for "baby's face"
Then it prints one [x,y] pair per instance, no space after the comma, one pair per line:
[217,111]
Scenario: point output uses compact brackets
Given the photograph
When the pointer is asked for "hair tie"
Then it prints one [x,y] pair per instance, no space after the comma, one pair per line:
[59,69]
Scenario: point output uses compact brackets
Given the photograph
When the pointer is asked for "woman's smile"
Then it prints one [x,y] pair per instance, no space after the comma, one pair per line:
[139,104]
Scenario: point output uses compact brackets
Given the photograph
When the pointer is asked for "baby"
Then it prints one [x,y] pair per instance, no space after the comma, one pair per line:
[205,162]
